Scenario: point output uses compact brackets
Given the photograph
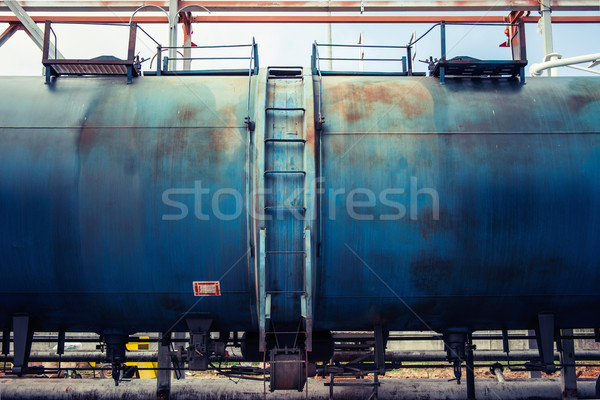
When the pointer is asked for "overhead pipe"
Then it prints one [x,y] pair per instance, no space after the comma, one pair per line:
[537,69]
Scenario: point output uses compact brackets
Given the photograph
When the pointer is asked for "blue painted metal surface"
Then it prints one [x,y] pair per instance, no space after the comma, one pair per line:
[515,169]
[85,164]
[90,241]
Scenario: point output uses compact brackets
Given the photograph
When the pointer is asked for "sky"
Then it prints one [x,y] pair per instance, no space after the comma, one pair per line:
[290,44]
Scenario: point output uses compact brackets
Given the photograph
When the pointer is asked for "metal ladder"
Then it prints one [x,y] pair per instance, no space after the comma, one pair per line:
[285,279]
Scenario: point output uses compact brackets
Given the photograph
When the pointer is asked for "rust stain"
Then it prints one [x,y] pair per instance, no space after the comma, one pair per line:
[356,101]
[583,95]
[188,114]
[87,139]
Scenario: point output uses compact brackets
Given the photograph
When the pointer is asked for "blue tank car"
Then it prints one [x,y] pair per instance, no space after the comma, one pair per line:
[305,205]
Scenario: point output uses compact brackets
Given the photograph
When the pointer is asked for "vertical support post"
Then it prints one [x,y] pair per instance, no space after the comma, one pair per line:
[443,56]
[46,51]
[380,344]
[60,345]
[517,39]
[131,52]
[48,73]
[331,379]
[533,346]
[568,377]
[165,66]
[173,8]
[375,395]
[46,47]
[163,374]
[132,37]
[409,66]
[158,62]
[187,40]
[546,24]
[60,348]
[505,341]
[545,340]
[313,59]
[522,48]
[23,335]
[470,365]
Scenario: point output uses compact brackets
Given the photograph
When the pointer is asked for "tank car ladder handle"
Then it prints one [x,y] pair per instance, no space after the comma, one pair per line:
[290,171]
[306,299]
[285,72]
[286,109]
[278,140]
[291,209]
[262,322]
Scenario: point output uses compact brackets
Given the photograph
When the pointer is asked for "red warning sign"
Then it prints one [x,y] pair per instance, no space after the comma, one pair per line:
[207,288]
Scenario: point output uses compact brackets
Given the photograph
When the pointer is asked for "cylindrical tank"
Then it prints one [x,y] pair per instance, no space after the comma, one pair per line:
[473,204]
[499,199]
[104,199]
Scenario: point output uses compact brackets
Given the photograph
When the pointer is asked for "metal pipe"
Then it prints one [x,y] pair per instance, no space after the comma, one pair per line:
[311,6]
[343,356]
[301,19]
[481,355]
[97,357]
[499,375]
[537,69]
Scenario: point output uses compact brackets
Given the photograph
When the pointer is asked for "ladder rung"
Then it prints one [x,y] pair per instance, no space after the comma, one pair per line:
[285,72]
[270,208]
[299,77]
[285,140]
[284,252]
[289,171]
[285,109]
[284,291]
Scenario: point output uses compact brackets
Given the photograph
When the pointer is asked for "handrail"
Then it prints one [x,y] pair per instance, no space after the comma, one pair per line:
[316,69]
[146,6]
[165,61]
[251,70]
[131,64]
[406,68]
